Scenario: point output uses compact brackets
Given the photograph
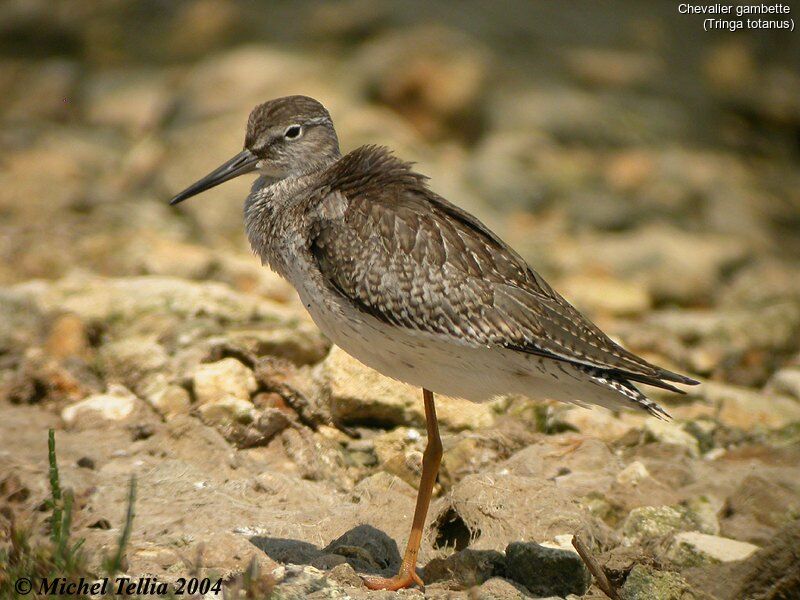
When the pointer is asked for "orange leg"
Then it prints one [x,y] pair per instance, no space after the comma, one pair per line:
[407,576]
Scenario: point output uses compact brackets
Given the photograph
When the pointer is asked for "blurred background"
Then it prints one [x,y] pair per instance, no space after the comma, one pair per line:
[648,169]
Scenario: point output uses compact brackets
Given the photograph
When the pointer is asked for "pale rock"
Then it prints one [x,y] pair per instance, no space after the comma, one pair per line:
[786,382]
[302,343]
[512,164]
[600,423]
[653,254]
[129,305]
[170,401]
[244,273]
[668,432]
[157,255]
[719,341]
[222,381]
[489,505]
[746,409]
[227,411]
[705,510]
[647,522]
[633,474]
[561,542]
[399,452]
[645,583]
[116,405]
[692,549]
[465,454]
[379,483]
[133,361]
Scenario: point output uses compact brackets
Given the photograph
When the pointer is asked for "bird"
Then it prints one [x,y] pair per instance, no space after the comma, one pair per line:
[415,287]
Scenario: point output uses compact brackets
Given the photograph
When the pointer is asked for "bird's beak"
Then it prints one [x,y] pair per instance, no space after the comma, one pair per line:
[242,163]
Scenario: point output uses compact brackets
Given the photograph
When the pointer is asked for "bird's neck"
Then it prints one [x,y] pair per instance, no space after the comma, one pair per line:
[274,215]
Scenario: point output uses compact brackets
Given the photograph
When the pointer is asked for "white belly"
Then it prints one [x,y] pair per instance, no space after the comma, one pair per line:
[445,366]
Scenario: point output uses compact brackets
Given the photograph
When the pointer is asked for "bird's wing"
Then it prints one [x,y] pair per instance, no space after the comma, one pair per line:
[410,258]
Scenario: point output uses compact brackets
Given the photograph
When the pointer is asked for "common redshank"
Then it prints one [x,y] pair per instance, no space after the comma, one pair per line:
[415,287]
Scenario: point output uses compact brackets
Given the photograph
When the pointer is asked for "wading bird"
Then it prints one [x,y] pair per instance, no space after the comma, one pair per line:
[413,286]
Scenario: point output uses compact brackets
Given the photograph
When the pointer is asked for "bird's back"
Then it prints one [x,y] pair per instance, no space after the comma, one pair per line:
[392,250]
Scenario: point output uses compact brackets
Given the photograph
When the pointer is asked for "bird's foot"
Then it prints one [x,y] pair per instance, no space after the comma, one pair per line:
[404,579]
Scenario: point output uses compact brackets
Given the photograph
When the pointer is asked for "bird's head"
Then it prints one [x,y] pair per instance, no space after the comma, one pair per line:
[286,136]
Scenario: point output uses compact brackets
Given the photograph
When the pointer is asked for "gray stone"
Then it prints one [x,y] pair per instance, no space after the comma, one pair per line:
[466,568]
[366,549]
[649,522]
[644,583]
[546,571]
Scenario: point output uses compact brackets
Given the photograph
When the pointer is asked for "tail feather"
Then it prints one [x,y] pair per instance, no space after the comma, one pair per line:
[636,399]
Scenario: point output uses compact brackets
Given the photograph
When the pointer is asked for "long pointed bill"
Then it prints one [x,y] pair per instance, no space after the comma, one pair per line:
[242,163]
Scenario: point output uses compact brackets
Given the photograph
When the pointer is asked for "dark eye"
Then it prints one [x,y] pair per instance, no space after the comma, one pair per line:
[293,131]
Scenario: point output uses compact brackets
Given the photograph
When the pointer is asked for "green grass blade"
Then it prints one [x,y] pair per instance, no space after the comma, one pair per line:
[114,565]
[55,488]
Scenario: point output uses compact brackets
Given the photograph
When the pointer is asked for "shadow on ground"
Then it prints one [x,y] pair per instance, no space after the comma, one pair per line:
[365,548]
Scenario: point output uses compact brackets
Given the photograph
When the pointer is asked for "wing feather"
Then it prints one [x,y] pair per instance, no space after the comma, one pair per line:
[410,258]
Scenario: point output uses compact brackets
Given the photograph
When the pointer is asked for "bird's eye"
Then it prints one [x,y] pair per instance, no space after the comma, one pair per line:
[292,132]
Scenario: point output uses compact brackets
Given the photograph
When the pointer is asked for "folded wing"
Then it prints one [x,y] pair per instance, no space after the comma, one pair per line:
[419,262]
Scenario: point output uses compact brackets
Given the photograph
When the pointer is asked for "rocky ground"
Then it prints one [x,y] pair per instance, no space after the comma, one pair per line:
[156,345]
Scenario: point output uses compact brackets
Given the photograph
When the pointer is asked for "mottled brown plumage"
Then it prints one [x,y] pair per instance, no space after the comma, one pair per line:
[415,260]
[414,286]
